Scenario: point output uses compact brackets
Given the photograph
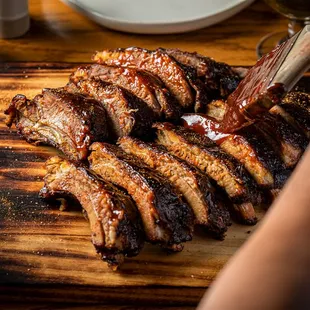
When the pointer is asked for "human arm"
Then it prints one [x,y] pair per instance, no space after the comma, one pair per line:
[272,269]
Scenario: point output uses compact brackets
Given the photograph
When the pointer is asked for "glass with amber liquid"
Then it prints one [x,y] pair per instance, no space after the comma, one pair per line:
[298,13]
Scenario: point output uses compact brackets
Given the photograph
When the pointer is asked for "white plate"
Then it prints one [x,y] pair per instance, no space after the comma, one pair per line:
[158,16]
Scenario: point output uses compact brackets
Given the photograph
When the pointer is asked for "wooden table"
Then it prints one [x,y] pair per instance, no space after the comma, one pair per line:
[59,35]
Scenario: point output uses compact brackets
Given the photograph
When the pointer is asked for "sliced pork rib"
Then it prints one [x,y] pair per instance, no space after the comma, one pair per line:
[194,185]
[250,147]
[166,218]
[114,219]
[202,93]
[128,114]
[69,122]
[297,116]
[219,77]
[142,84]
[201,152]
[156,62]
[289,142]
[295,109]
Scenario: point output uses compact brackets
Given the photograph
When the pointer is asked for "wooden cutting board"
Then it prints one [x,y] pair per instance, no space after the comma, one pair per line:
[46,254]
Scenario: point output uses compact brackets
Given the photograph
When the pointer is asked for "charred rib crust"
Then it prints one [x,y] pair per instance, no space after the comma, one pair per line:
[91,114]
[295,109]
[218,215]
[131,224]
[300,115]
[175,214]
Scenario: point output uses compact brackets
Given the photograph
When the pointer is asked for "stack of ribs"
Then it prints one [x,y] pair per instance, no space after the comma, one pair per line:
[137,171]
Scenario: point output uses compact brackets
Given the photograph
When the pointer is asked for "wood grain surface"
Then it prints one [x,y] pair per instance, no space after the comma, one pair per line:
[58,33]
[47,254]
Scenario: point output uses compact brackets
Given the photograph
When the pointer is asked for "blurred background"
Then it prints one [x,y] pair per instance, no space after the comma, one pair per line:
[58,33]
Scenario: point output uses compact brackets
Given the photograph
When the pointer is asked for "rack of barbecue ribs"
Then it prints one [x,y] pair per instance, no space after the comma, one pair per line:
[139,154]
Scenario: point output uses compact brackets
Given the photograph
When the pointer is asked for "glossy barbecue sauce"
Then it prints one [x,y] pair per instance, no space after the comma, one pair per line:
[254,95]
[204,125]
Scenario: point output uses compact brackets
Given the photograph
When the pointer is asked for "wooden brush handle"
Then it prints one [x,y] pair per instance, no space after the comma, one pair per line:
[296,62]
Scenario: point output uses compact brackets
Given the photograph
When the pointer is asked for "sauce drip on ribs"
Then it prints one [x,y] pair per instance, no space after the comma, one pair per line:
[113,217]
[203,153]
[249,146]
